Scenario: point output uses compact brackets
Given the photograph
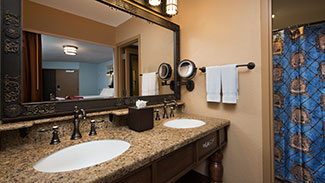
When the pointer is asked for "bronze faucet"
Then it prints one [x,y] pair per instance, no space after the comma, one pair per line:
[165,116]
[76,132]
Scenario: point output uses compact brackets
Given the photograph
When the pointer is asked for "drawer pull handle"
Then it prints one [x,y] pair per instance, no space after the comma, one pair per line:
[208,143]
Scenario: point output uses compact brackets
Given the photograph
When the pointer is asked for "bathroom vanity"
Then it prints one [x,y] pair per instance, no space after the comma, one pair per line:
[162,154]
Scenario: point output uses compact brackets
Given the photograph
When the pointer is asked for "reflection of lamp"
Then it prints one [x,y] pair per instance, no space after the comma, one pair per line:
[154,2]
[70,50]
[110,71]
[171,7]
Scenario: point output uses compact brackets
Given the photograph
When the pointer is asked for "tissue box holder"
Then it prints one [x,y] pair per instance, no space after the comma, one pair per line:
[140,119]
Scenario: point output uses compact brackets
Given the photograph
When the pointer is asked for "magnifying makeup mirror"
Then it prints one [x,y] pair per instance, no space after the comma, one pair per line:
[187,70]
[164,71]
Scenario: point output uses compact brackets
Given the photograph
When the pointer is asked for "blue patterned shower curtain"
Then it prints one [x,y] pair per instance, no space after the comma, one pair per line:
[298,94]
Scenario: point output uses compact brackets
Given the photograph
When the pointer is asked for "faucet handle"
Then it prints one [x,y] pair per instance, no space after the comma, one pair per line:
[93,127]
[55,138]
[157,114]
[83,114]
[172,112]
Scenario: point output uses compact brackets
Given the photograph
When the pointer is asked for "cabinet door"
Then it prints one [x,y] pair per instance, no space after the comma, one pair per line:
[142,176]
[175,163]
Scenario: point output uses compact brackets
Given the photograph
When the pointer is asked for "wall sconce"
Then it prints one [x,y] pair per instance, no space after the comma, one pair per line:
[171,7]
[70,50]
[154,2]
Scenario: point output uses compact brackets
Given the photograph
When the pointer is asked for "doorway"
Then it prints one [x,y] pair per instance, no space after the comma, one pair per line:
[128,67]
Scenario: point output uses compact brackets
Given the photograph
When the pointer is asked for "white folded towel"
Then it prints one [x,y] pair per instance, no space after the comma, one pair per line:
[213,83]
[149,84]
[229,77]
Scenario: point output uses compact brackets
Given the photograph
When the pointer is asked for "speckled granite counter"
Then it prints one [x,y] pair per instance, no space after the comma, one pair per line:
[17,163]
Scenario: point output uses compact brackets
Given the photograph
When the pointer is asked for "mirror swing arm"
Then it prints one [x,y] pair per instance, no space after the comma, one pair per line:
[12,109]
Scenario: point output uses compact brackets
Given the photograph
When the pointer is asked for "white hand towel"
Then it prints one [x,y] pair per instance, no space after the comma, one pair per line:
[229,75]
[149,84]
[213,83]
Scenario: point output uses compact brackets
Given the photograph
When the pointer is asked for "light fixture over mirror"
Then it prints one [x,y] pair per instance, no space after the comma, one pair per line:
[154,2]
[171,7]
[70,50]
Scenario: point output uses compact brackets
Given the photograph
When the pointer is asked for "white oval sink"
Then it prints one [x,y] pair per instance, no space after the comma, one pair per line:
[82,155]
[184,123]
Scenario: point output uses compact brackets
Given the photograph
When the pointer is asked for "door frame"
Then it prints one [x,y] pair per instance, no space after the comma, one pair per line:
[118,69]
[267,91]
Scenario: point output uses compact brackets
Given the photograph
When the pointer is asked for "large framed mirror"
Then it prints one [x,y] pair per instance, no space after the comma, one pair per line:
[96,54]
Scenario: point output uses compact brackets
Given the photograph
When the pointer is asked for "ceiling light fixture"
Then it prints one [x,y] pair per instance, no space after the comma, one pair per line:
[70,50]
[273,16]
[171,7]
[154,2]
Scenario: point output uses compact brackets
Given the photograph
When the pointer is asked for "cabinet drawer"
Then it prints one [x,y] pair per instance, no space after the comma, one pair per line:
[142,176]
[207,144]
[175,163]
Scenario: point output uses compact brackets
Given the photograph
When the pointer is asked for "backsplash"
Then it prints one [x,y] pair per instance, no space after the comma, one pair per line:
[13,138]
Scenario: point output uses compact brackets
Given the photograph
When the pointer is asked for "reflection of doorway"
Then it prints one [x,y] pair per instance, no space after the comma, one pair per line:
[60,82]
[67,82]
[128,68]
[132,71]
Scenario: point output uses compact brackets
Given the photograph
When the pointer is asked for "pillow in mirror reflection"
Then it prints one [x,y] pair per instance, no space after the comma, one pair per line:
[107,92]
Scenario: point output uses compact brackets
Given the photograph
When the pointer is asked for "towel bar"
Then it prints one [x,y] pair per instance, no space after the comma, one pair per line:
[250,65]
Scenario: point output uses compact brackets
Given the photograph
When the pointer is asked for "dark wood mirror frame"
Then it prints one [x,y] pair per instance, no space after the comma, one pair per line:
[12,109]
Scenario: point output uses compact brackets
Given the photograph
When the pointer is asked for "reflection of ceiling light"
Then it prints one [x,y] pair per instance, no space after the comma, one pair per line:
[171,7]
[273,15]
[70,49]
[154,2]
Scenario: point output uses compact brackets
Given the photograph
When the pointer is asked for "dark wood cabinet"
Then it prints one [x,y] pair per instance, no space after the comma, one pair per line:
[174,165]
[206,145]
[141,176]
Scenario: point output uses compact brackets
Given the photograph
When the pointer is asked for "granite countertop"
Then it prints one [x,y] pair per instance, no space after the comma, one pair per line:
[17,163]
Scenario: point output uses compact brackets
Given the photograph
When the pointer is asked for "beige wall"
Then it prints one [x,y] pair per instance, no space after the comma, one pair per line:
[156,45]
[42,19]
[218,32]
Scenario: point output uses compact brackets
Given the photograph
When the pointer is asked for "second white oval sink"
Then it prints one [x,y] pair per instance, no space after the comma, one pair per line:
[184,123]
[82,155]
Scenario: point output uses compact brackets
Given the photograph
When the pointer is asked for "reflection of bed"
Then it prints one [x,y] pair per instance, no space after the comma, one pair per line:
[104,94]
